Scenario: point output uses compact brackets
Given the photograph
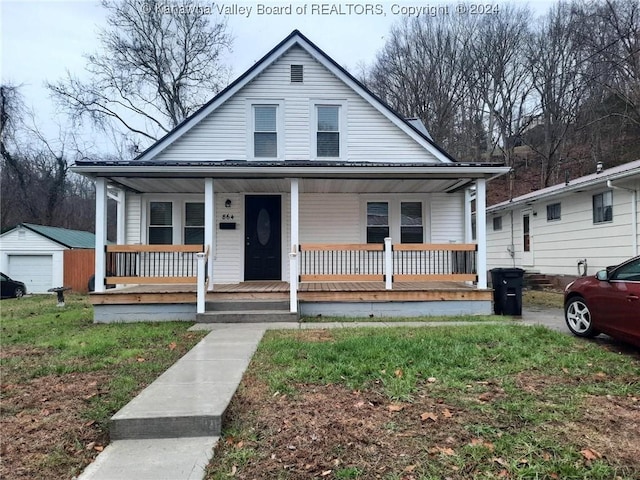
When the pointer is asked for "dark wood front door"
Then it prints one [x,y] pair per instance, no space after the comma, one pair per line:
[263,238]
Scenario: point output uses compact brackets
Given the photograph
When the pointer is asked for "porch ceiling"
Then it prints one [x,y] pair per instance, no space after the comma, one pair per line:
[238,185]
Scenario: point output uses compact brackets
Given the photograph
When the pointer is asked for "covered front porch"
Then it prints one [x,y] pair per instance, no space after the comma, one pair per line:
[347,239]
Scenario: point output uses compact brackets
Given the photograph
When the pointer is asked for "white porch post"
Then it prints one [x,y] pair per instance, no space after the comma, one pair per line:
[481,231]
[209,226]
[467,216]
[201,297]
[388,264]
[293,252]
[101,233]
[121,218]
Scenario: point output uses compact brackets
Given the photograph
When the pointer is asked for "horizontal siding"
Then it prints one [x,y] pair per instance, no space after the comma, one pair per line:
[28,242]
[133,207]
[559,245]
[224,135]
[499,242]
[330,218]
[228,258]
[447,217]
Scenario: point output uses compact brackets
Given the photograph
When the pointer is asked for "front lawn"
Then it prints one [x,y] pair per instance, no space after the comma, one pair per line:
[479,401]
[63,378]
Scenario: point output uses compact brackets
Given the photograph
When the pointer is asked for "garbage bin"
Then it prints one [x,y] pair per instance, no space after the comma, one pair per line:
[507,291]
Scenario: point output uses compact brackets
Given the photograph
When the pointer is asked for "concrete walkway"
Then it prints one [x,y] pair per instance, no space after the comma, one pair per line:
[169,431]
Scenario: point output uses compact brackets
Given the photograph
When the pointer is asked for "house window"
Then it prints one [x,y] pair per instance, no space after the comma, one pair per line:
[603,207]
[411,230]
[297,74]
[194,223]
[497,223]
[328,130]
[265,131]
[553,212]
[160,223]
[377,222]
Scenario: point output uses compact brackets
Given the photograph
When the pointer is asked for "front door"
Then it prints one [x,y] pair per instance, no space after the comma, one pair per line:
[263,238]
[527,243]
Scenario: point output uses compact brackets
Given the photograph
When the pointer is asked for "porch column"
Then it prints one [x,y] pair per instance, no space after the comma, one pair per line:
[481,231]
[101,234]
[121,237]
[467,216]
[209,226]
[293,251]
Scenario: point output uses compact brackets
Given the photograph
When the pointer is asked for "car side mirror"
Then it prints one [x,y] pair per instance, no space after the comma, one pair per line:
[602,275]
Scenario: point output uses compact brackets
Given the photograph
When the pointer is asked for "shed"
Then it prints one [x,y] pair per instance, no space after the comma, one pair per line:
[40,256]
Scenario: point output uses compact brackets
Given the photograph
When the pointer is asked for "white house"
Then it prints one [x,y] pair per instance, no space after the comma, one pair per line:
[583,225]
[34,254]
[289,181]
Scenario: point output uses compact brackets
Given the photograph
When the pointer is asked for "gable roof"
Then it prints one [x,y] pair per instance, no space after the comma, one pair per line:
[296,38]
[63,236]
[619,172]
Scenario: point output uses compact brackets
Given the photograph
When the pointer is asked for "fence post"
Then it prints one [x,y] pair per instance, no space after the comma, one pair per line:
[388,264]
[201,279]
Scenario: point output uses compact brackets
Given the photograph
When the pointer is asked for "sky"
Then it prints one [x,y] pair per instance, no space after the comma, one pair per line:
[43,39]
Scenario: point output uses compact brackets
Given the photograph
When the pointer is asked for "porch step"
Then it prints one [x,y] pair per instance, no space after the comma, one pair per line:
[244,305]
[247,316]
[537,281]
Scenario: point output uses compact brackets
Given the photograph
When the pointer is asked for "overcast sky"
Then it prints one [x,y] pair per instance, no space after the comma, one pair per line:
[42,39]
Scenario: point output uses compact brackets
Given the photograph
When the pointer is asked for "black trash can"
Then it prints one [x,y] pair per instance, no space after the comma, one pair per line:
[507,291]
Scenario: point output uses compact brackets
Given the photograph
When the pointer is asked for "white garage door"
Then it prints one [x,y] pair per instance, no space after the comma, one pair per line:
[36,271]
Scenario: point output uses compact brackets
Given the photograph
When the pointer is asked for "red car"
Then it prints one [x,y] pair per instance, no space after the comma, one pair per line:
[608,302]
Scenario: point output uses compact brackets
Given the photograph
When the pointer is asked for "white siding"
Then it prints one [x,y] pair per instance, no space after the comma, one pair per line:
[447,217]
[330,218]
[133,206]
[228,264]
[26,242]
[224,133]
[558,245]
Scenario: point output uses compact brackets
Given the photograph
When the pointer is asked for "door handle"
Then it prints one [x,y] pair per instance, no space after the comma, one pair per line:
[633,298]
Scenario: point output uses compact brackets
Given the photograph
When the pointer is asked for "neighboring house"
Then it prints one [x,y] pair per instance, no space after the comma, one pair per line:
[288,182]
[583,225]
[37,255]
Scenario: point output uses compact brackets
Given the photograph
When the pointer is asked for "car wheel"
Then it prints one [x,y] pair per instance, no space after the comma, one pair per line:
[18,292]
[578,317]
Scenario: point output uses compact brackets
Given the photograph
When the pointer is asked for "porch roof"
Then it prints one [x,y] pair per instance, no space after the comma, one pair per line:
[138,175]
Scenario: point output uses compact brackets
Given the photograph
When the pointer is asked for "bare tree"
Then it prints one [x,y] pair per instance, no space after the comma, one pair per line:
[160,61]
[558,70]
[421,73]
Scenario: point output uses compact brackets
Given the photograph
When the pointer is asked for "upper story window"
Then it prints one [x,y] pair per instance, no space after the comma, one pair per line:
[411,230]
[160,223]
[328,130]
[553,212]
[603,207]
[377,222]
[194,223]
[265,131]
[497,223]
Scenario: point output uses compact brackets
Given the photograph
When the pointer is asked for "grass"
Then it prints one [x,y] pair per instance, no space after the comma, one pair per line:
[543,298]
[43,342]
[535,383]
[426,318]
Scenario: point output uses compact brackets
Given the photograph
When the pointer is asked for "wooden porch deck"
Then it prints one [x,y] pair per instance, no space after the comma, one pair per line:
[308,292]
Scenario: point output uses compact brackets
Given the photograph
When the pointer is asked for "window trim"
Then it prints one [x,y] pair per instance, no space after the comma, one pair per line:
[250,115]
[593,207]
[313,127]
[550,212]
[422,226]
[177,218]
[395,214]
[184,222]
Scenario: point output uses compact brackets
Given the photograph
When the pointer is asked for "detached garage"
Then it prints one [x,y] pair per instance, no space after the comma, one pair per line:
[35,255]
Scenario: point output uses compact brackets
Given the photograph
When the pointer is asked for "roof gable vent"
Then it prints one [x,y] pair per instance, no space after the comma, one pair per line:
[296,74]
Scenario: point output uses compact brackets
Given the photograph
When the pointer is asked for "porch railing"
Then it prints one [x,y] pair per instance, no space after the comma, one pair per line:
[321,262]
[388,262]
[152,264]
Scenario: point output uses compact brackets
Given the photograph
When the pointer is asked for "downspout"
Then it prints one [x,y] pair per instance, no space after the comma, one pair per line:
[634,214]
[512,247]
